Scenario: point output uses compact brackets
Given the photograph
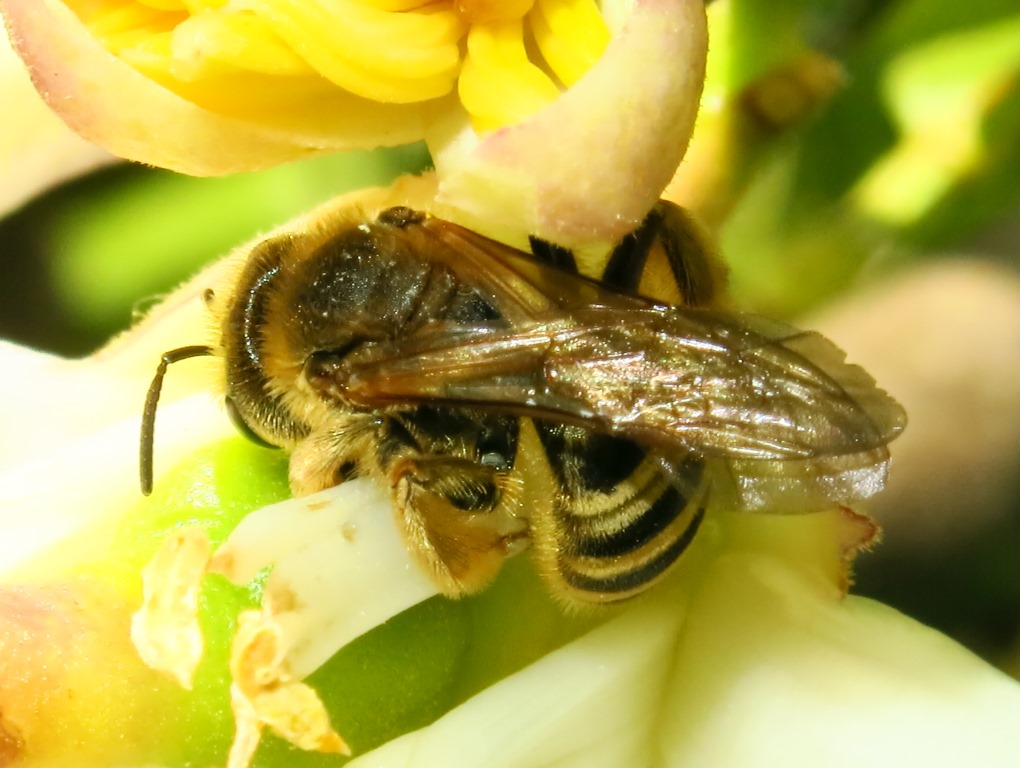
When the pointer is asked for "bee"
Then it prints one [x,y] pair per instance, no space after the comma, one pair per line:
[506,400]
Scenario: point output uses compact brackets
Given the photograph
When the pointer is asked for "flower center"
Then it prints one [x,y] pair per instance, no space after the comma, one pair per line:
[505,79]
[488,11]
[510,57]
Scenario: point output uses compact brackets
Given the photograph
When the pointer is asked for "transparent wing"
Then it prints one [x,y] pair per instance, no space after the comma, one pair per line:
[792,424]
[717,385]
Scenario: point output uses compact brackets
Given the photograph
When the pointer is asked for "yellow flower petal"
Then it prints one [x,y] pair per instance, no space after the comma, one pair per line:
[213,129]
[630,118]
[212,86]
[383,56]
[571,36]
[498,84]
[488,11]
[214,43]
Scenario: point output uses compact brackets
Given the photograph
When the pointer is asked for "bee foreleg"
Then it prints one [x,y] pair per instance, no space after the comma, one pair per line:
[460,517]
[324,459]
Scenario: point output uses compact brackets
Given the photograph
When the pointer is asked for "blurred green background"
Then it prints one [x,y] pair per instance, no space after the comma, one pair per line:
[843,142]
[85,259]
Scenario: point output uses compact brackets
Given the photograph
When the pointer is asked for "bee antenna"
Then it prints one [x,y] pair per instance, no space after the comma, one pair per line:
[149,412]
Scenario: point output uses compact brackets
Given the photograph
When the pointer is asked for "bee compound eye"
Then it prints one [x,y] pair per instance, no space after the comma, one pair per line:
[242,426]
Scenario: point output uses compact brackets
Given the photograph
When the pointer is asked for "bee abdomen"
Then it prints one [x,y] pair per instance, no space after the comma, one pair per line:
[607,578]
[621,551]
[632,528]
[620,521]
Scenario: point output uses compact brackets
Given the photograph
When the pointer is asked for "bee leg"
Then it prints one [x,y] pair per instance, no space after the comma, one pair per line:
[460,517]
[322,460]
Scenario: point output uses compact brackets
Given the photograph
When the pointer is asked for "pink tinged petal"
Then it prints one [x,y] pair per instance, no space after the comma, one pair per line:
[37,150]
[115,106]
[62,645]
[585,170]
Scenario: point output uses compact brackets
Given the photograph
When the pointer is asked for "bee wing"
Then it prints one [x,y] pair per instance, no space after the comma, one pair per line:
[520,287]
[778,407]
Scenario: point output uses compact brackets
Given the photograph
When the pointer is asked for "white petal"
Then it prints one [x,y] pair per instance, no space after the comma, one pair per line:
[340,568]
[593,703]
[772,672]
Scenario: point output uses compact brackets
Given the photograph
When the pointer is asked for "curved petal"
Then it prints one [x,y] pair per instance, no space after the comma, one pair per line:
[37,151]
[761,662]
[631,116]
[772,671]
[64,642]
[115,106]
[591,703]
[94,405]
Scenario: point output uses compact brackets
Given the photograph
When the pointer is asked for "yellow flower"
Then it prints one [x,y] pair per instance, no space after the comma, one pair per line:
[215,86]
[257,57]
